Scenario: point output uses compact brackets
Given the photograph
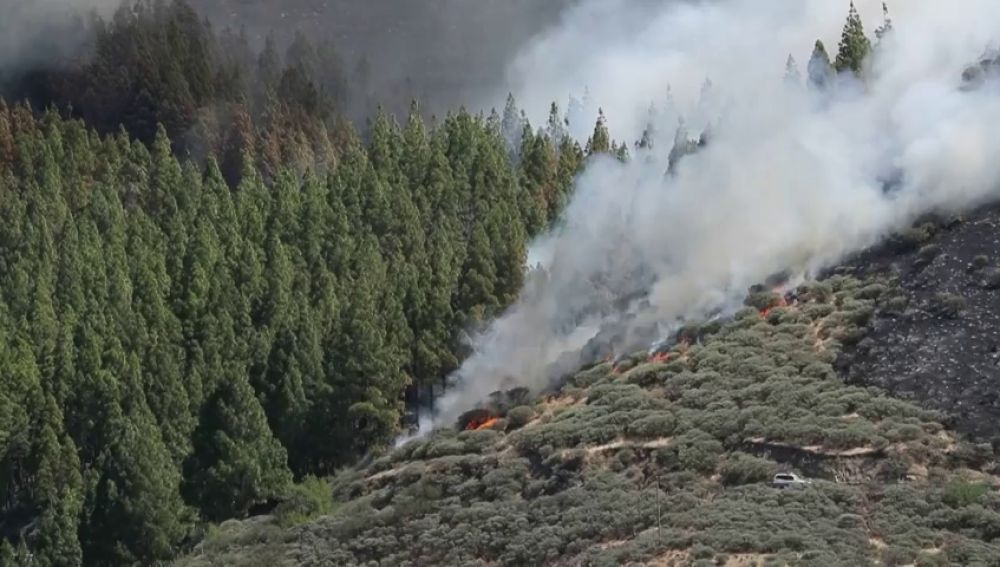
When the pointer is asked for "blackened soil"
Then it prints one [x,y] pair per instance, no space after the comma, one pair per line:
[924,345]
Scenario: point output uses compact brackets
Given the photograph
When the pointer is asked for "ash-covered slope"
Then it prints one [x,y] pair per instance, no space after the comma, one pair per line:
[939,342]
[666,461]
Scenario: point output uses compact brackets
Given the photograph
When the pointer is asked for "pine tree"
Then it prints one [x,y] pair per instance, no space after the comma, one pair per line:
[513,127]
[600,140]
[821,73]
[555,128]
[854,45]
[792,75]
[236,463]
[886,29]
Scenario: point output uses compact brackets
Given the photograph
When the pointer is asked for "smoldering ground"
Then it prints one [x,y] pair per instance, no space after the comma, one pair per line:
[792,179]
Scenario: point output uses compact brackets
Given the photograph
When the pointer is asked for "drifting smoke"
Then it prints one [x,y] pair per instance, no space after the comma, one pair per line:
[791,179]
[42,32]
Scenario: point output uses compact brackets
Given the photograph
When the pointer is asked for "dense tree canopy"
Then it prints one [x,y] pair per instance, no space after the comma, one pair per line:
[172,346]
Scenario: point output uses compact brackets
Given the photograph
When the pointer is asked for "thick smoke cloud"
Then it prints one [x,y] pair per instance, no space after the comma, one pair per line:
[791,179]
[445,53]
[39,32]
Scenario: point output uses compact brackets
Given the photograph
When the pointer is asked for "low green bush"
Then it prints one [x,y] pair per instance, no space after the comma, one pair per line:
[520,416]
[959,493]
[310,498]
[740,468]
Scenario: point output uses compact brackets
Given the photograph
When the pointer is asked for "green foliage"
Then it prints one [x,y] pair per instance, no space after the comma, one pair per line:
[307,499]
[175,349]
[519,417]
[960,493]
[740,468]
[854,45]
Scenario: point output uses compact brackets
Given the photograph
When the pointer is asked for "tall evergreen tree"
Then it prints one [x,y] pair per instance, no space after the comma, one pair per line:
[792,75]
[886,29]
[600,140]
[821,73]
[236,463]
[854,45]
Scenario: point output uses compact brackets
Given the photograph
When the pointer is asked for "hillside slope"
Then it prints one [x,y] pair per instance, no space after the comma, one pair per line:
[666,461]
[940,344]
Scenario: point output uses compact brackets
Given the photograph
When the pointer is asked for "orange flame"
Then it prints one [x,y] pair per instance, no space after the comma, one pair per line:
[782,302]
[660,358]
[475,424]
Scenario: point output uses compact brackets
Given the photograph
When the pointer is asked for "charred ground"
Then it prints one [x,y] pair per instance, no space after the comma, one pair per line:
[938,341]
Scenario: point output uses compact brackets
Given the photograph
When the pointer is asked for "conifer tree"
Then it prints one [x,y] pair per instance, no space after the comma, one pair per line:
[236,463]
[854,45]
[821,73]
[600,140]
[886,29]
[792,75]
[513,127]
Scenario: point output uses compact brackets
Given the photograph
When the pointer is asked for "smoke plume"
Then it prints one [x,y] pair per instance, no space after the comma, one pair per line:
[42,32]
[790,179]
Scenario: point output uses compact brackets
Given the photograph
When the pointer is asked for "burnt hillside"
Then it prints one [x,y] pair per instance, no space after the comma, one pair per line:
[938,342]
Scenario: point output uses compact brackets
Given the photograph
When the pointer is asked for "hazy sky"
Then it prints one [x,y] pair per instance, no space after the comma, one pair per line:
[446,52]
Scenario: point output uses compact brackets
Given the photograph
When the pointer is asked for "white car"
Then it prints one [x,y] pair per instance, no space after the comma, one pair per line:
[789,480]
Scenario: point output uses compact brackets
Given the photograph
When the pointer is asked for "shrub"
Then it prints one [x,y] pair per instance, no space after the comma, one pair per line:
[306,500]
[896,305]
[991,279]
[927,254]
[740,468]
[444,447]
[960,493]
[763,300]
[697,451]
[592,375]
[909,239]
[700,551]
[948,305]
[661,424]
[647,374]
[897,556]
[819,311]
[819,292]
[871,291]
[478,440]
[979,262]
[520,416]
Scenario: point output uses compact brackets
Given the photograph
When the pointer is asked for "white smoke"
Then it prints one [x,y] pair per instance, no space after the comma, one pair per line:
[789,180]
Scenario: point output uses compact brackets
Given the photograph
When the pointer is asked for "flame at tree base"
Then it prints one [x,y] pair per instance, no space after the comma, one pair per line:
[476,424]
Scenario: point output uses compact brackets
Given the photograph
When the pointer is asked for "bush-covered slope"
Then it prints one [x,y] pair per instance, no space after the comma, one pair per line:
[667,462]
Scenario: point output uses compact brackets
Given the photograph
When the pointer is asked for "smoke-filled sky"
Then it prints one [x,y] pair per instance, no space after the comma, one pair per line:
[32,32]
[791,179]
[445,52]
